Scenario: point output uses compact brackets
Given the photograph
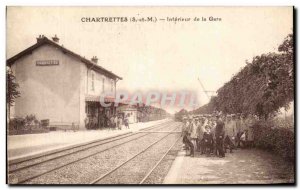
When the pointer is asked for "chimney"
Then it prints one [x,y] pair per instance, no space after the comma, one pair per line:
[94,59]
[40,38]
[55,39]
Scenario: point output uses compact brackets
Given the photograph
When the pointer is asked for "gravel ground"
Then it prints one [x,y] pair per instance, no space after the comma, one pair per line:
[30,162]
[243,166]
[73,150]
[84,171]
[160,172]
[136,169]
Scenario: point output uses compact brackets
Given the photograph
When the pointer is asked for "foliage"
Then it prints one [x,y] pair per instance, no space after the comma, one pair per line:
[25,123]
[11,87]
[180,114]
[207,108]
[17,123]
[151,113]
[269,136]
[262,87]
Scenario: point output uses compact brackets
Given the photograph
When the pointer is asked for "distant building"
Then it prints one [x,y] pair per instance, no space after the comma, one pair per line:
[129,111]
[60,85]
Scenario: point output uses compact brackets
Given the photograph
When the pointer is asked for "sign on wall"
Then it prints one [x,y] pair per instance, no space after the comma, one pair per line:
[47,62]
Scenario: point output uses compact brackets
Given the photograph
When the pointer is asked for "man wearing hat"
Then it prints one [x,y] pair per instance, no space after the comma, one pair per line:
[219,135]
[207,141]
[238,130]
[249,130]
[229,134]
[234,125]
[213,131]
[184,131]
[200,132]
[243,132]
[188,136]
[193,131]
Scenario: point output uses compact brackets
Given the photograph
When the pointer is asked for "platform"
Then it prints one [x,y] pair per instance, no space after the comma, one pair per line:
[19,146]
[243,166]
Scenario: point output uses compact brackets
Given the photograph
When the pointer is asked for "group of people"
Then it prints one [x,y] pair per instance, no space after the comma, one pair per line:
[116,122]
[214,134]
[113,122]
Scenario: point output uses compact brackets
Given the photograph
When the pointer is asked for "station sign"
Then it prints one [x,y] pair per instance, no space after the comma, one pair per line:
[47,62]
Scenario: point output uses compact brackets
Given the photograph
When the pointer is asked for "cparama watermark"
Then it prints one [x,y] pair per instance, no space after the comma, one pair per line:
[172,99]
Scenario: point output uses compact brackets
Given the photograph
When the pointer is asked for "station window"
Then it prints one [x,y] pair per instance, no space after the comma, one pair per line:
[103,81]
[112,86]
[93,81]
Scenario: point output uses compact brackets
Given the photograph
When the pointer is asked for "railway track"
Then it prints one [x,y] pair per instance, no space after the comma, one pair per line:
[32,161]
[158,162]
[27,170]
[111,176]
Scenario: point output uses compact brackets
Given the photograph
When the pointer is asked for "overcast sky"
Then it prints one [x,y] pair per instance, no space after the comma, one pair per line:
[161,55]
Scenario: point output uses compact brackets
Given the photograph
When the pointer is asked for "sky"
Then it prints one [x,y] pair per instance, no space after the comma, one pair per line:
[161,56]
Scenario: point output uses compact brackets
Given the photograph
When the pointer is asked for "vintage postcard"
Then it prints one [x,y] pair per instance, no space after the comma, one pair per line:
[150,95]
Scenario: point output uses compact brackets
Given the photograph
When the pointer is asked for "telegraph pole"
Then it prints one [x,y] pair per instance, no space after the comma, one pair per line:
[206,91]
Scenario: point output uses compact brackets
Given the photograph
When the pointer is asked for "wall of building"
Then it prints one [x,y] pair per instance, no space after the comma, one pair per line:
[132,116]
[49,92]
[129,111]
[98,83]
[82,94]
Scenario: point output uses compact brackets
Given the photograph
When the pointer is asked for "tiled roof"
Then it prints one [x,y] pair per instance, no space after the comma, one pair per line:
[45,40]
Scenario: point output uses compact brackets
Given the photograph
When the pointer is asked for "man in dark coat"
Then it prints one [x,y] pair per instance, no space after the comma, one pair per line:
[208,140]
[186,137]
[220,134]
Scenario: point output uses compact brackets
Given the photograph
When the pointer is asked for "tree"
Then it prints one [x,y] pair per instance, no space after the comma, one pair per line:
[262,87]
[180,114]
[11,90]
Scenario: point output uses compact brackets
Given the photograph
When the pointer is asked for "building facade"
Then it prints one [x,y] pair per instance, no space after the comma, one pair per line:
[60,85]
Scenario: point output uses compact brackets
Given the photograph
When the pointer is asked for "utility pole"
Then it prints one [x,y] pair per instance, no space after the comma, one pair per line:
[206,91]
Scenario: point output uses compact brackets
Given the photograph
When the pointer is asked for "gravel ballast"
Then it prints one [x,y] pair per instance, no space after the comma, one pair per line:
[82,172]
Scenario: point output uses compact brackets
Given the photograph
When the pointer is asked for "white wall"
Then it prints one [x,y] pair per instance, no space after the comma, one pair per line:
[49,92]
[98,83]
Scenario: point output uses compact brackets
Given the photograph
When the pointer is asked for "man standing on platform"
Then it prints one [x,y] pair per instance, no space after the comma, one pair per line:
[219,134]
[120,122]
[229,134]
[184,132]
[200,132]
[235,129]
[238,130]
[112,122]
[193,131]
[249,130]
[213,131]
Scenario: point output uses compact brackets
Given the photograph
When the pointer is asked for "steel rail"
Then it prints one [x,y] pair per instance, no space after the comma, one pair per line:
[85,157]
[97,143]
[79,145]
[161,159]
[139,153]
[160,132]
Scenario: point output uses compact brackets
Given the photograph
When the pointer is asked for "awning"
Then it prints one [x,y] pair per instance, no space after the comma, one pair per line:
[125,107]
[91,98]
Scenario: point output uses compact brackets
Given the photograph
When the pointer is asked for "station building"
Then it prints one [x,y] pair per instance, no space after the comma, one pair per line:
[60,85]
